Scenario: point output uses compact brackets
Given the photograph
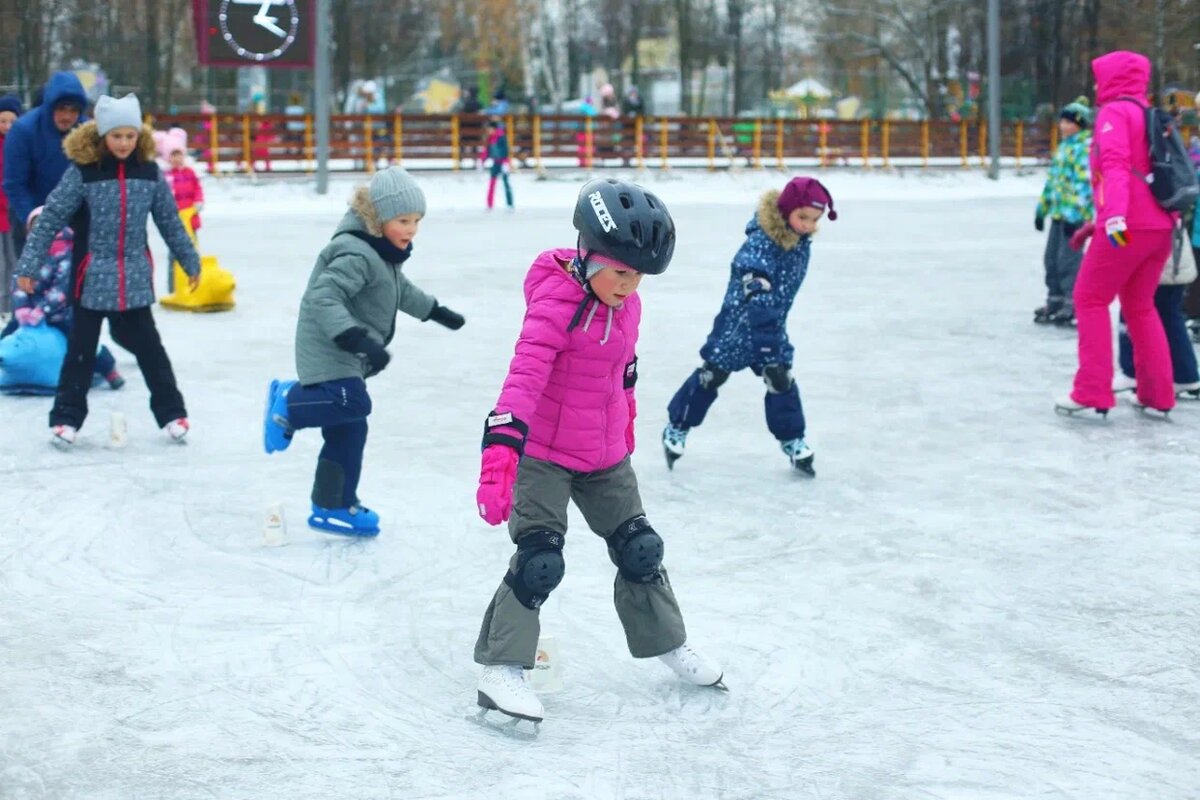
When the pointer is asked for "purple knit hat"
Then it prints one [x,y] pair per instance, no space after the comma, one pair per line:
[804,192]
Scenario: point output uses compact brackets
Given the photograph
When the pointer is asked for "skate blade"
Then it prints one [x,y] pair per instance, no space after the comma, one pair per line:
[1153,413]
[1074,412]
[805,467]
[525,730]
[671,457]
[325,525]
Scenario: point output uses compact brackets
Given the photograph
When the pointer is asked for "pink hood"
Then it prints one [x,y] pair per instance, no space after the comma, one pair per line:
[1120,150]
[569,386]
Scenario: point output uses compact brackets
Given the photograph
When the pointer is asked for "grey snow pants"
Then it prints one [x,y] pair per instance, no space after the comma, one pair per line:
[1062,263]
[648,612]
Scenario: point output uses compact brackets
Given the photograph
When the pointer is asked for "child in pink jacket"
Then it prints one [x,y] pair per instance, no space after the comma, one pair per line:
[1133,235]
[563,430]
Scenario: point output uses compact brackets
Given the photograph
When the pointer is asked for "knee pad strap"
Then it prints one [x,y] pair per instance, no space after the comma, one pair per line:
[540,567]
[636,550]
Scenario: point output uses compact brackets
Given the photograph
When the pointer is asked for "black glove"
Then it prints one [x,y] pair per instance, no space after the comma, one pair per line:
[359,342]
[1039,222]
[444,316]
[1069,228]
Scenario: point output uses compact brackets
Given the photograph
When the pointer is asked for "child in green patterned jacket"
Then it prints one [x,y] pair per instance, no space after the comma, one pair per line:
[1067,202]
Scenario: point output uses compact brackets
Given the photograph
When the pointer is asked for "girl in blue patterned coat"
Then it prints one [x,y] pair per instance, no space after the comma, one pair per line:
[751,328]
[111,187]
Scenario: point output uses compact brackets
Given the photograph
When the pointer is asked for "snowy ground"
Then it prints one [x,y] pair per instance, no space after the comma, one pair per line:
[976,598]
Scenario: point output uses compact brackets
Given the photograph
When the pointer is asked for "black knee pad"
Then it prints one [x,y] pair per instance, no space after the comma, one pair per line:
[777,377]
[540,567]
[636,550]
[711,376]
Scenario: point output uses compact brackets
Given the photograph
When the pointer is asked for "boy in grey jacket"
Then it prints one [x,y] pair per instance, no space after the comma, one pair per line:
[347,318]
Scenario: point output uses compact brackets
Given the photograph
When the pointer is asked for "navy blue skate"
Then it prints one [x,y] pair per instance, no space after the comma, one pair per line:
[353,521]
[277,432]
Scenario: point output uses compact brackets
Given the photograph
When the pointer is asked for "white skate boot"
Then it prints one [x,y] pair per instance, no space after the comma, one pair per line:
[63,436]
[693,667]
[178,429]
[1123,383]
[502,687]
[1187,391]
[1065,405]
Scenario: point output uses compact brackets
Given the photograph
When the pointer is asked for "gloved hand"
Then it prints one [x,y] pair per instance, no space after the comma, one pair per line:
[754,284]
[1117,231]
[497,474]
[629,435]
[444,316]
[359,342]
[29,317]
[1080,237]
[1039,222]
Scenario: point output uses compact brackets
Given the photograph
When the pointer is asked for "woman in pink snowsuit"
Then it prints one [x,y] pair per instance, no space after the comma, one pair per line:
[563,430]
[1132,244]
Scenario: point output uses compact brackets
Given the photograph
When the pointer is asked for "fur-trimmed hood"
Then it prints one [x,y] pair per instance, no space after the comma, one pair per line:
[360,204]
[82,145]
[772,222]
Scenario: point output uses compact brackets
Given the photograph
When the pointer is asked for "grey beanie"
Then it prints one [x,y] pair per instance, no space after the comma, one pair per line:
[393,192]
[112,113]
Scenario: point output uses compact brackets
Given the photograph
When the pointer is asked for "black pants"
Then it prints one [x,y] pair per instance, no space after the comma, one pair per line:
[135,331]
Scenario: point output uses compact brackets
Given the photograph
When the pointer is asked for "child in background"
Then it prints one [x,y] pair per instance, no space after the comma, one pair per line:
[185,184]
[48,303]
[751,328]
[563,430]
[496,149]
[347,319]
[10,109]
[1067,202]
[114,178]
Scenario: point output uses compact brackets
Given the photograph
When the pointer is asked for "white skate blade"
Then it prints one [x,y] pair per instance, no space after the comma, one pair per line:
[509,727]
[1151,412]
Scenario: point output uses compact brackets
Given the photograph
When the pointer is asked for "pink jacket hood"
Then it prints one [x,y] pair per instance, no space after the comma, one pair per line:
[1121,74]
[570,386]
[1120,156]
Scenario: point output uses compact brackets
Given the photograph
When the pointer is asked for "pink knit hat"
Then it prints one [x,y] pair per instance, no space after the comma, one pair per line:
[804,192]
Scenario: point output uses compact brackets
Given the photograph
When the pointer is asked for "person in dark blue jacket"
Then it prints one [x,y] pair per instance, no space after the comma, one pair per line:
[34,161]
[751,328]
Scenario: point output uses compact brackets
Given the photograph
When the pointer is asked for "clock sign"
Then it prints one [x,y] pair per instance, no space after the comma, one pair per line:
[271,33]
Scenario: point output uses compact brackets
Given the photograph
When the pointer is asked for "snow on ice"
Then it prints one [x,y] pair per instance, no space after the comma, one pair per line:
[976,599]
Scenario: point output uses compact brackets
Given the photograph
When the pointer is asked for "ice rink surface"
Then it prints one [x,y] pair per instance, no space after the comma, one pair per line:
[975,599]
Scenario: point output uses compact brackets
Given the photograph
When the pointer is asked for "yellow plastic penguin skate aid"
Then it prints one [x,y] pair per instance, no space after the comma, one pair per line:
[215,292]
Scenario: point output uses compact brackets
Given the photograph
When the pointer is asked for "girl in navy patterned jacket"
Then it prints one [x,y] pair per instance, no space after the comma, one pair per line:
[112,185]
[750,330]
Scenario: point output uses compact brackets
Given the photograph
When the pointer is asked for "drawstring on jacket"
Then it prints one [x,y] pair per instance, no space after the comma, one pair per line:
[577,271]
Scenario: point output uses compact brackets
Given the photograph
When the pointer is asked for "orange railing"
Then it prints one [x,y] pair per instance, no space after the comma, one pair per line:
[270,142]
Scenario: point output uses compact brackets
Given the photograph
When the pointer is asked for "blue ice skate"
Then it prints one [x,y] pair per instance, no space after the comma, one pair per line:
[353,521]
[277,432]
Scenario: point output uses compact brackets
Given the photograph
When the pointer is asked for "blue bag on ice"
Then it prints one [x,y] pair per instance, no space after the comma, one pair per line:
[30,360]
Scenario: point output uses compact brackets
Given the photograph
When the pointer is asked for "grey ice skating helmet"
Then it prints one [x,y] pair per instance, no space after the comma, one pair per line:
[623,221]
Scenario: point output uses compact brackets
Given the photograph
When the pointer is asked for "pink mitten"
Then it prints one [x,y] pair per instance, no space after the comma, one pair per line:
[1080,237]
[30,317]
[496,477]
[629,439]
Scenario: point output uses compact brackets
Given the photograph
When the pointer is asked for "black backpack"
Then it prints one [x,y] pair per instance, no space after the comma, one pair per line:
[1172,177]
